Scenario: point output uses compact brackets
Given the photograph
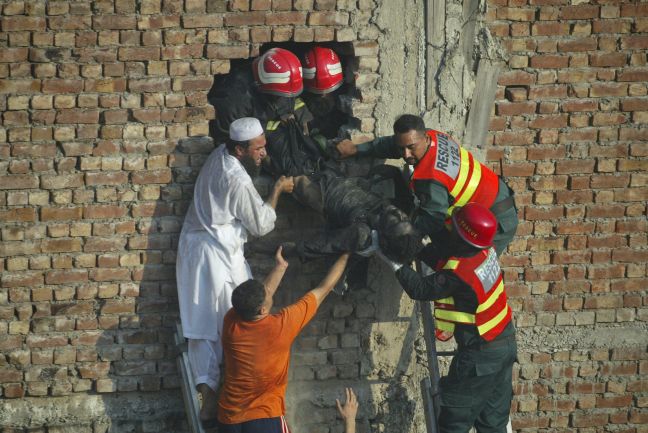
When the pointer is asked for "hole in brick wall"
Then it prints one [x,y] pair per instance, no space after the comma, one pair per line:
[337,124]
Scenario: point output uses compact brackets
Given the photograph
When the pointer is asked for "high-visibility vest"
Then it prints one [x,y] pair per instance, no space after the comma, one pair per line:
[483,274]
[466,179]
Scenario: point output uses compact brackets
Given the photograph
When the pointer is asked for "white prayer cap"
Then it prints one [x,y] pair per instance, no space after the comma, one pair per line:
[245,128]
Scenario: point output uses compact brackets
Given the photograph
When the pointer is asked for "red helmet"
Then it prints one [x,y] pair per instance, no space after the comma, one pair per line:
[278,72]
[322,70]
[475,224]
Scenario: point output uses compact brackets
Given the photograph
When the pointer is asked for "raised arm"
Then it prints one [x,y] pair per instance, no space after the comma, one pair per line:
[273,279]
[326,285]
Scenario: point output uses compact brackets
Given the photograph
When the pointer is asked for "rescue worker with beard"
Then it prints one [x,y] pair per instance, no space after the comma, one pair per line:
[470,301]
[446,176]
[210,261]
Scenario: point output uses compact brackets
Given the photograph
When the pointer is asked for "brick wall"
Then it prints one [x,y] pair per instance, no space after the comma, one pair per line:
[103,104]
[570,125]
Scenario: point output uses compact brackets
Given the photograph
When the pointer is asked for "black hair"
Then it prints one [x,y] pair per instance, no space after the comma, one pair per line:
[409,122]
[248,298]
[231,144]
[398,238]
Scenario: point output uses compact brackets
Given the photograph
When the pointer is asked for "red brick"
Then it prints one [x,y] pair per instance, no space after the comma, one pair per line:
[577,45]
[62,86]
[549,61]
[228,51]
[588,420]
[608,89]
[114,306]
[512,138]
[114,22]
[515,108]
[609,181]
[579,12]
[285,18]
[606,119]
[244,19]
[20,86]
[78,116]
[634,104]
[574,197]
[149,85]
[633,74]
[66,276]
[151,177]
[23,23]
[110,274]
[60,214]
[126,54]
[630,255]
[579,105]
[634,42]
[14,390]
[104,211]
[193,84]
[542,122]
[18,215]
[611,26]
[549,28]
[553,92]
[95,244]
[18,181]
[328,19]
[21,279]
[209,21]
[10,55]
[608,59]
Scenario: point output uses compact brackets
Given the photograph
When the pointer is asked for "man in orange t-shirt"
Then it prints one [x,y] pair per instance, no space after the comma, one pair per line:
[256,346]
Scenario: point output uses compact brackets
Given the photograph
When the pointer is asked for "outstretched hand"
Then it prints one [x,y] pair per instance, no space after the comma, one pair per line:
[350,409]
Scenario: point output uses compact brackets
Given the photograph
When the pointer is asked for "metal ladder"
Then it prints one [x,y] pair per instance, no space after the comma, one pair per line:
[189,395]
[430,384]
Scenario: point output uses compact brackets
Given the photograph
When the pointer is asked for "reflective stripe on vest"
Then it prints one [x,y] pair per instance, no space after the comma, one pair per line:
[274,124]
[483,274]
[465,178]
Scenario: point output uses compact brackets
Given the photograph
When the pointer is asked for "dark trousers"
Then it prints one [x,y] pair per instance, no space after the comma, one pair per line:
[263,425]
[478,390]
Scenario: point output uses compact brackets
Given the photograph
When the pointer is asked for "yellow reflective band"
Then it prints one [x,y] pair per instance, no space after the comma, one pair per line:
[449,300]
[454,316]
[445,326]
[484,328]
[451,264]
[492,298]
[473,183]
[272,125]
[463,173]
[299,103]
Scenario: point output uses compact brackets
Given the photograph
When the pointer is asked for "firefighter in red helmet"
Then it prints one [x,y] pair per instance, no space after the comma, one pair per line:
[470,301]
[269,90]
[323,82]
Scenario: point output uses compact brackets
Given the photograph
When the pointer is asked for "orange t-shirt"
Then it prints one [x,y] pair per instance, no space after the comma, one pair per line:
[256,356]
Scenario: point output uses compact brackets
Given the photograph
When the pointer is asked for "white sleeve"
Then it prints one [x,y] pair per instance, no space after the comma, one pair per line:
[248,207]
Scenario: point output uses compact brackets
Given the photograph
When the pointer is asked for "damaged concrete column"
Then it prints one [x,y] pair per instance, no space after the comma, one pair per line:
[459,54]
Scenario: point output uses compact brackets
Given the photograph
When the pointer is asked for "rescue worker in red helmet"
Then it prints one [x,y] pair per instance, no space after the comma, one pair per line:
[470,301]
[268,89]
[446,176]
[323,82]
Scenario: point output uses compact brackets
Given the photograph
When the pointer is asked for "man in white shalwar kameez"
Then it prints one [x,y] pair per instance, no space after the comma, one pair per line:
[210,263]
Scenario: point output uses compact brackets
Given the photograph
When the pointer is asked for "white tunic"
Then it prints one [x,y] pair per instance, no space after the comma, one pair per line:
[210,262]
